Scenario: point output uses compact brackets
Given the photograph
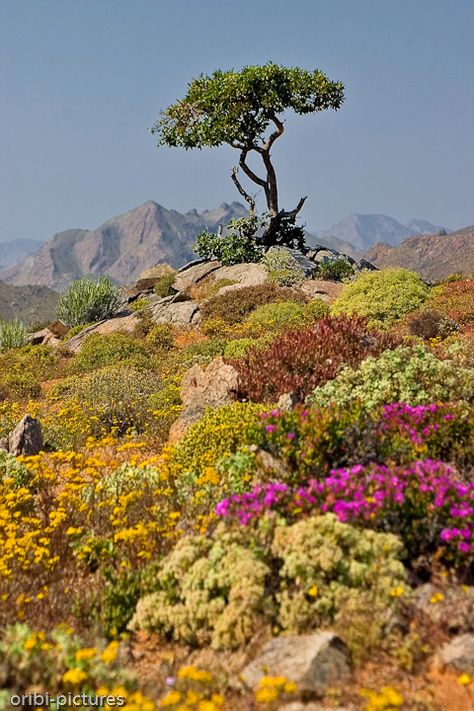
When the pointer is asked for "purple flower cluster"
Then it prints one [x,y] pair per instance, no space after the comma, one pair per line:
[418,422]
[424,503]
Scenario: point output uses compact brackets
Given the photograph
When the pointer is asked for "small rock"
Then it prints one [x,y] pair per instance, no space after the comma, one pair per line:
[314,662]
[365,264]
[459,653]
[453,609]
[287,401]
[44,337]
[26,438]
[324,289]
[212,387]
[187,277]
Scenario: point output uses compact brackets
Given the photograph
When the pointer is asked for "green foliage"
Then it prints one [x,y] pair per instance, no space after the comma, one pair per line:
[160,336]
[241,346]
[114,399]
[316,309]
[100,350]
[383,296]
[237,246]
[139,304]
[164,285]
[283,268]
[414,376]
[234,306]
[12,335]
[218,433]
[219,590]
[118,601]
[277,316]
[87,301]
[11,468]
[336,269]
[23,369]
[77,329]
[230,106]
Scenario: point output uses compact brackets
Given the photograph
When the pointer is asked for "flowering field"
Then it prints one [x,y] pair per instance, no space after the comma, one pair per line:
[136,566]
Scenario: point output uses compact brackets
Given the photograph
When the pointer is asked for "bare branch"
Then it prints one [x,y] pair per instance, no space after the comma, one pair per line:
[248,198]
[280,128]
[249,172]
[293,213]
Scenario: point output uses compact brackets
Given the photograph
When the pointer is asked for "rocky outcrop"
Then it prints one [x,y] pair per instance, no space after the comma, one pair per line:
[194,273]
[314,662]
[149,277]
[172,310]
[27,437]
[213,387]
[323,289]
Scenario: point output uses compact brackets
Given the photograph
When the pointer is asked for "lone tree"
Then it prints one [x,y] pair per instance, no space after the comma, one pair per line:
[243,109]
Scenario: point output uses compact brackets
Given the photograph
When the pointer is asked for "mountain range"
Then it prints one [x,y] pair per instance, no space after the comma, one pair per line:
[127,244]
[12,251]
[433,256]
[30,304]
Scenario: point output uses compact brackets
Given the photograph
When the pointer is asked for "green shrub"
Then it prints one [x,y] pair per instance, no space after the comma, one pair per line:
[114,399]
[101,350]
[282,267]
[335,269]
[160,335]
[12,335]
[234,306]
[241,346]
[87,301]
[383,296]
[277,316]
[316,309]
[23,369]
[164,285]
[414,376]
[219,590]
[77,329]
[429,323]
[140,304]
[218,433]
[237,246]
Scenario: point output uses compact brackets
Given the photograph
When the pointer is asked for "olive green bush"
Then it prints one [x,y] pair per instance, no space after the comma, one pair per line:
[411,375]
[164,285]
[234,306]
[277,316]
[429,323]
[238,245]
[23,369]
[87,301]
[382,296]
[316,309]
[11,468]
[219,590]
[335,269]
[101,350]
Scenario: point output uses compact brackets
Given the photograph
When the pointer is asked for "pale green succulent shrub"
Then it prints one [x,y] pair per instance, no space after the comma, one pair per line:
[87,301]
[382,296]
[411,375]
[12,335]
[220,590]
[283,269]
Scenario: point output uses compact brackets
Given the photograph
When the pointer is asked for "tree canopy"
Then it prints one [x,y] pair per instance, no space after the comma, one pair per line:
[243,109]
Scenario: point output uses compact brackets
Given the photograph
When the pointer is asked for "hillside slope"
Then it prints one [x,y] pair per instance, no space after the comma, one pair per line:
[27,303]
[434,256]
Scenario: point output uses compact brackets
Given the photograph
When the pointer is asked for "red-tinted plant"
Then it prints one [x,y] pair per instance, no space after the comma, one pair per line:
[303,358]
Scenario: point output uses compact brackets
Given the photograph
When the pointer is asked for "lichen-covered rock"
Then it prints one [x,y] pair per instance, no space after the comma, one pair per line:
[314,662]
[172,310]
[242,275]
[26,438]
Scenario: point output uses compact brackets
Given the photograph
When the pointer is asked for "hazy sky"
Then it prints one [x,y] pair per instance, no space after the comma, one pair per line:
[82,81]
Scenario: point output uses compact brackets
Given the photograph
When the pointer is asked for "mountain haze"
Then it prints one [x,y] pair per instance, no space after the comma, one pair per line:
[434,256]
[362,231]
[13,250]
[122,247]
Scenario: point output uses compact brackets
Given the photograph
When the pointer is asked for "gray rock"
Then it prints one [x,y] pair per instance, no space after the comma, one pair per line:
[323,289]
[365,264]
[287,401]
[323,255]
[213,387]
[194,273]
[314,662]
[454,611]
[151,276]
[459,653]
[242,274]
[44,337]
[180,313]
[303,261]
[26,438]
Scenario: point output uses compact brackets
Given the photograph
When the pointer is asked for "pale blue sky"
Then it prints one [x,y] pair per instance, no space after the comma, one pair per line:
[82,81]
